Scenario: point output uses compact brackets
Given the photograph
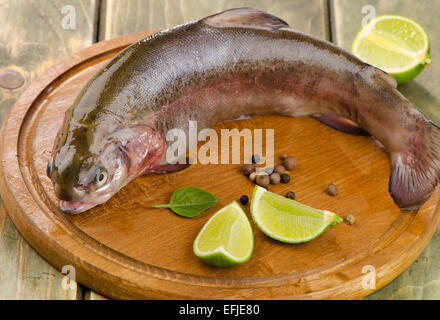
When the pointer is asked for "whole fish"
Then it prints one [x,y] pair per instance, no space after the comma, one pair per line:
[241,61]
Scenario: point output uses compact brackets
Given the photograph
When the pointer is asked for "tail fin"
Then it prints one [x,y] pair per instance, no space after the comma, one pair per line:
[415,173]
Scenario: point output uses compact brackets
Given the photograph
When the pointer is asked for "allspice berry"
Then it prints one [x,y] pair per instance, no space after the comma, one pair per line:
[247,169]
[279,169]
[332,190]
[269,170]
[283,156]
[349,219]
[275,178]
[263,180]
[289,162]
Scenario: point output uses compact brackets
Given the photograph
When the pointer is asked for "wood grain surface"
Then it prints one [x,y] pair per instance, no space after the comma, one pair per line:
[33,39]
[126,249]
[422,279]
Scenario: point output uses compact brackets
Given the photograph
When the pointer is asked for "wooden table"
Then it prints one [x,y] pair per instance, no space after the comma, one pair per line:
[37,33]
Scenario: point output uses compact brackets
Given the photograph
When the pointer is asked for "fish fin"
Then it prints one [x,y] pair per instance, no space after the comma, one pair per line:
[245,17]
[415,173]
[168,168]
[378,144]
[241,117]
[386,77]
[341,124]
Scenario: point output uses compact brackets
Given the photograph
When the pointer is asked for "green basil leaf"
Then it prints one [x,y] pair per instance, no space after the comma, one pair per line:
[190,201]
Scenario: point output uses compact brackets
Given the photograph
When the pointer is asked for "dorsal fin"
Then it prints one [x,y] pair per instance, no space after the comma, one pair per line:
[387,77]
[245,17]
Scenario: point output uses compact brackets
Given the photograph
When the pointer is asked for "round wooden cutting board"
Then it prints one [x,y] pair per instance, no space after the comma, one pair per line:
[127,249]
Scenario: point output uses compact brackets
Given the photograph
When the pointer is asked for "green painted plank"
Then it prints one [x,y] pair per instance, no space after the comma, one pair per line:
[35,34]
[23,273]
[422,279]
[120,17]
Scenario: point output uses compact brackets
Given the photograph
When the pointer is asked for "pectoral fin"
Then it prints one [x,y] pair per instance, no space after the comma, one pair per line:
[341,124]
[168,168]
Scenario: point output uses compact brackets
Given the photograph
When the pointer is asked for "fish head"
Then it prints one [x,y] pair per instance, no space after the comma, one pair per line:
[83,177]
[90,166]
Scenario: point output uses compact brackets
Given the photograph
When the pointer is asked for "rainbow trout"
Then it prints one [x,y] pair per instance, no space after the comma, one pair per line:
[241,61]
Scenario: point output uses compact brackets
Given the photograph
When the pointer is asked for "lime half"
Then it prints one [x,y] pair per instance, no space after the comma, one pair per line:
[395,44]
[288,220]
[226,239]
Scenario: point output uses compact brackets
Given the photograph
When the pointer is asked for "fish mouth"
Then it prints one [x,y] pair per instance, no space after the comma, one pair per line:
[74,207]
[84,202]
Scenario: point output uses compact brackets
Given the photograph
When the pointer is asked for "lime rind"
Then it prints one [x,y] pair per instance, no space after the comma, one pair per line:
[412,59]
[327,218]
[221,257]
[336,219]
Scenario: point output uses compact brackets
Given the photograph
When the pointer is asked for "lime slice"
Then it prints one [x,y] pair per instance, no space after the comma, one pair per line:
[226,239]
[395,44]
[288,220]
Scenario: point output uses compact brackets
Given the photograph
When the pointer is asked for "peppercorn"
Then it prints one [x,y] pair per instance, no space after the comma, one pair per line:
[275,178]
[247,169]
[289,163]
[255,158]
[290,195]
[279,169]
[269,170]
[285,178]
[332,190]
[263,180]
[349,219]
[244,199]
[253,176]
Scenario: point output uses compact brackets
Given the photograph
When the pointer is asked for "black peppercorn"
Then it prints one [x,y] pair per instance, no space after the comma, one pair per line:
[244,200]
[290,195]
[285,178]
[255,158]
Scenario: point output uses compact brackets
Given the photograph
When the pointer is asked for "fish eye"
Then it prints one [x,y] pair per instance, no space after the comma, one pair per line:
[101,177]
[49,167]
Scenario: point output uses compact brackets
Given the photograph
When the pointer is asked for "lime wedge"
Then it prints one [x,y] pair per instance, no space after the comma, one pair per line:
[288,220]
[395,44]
[226,239]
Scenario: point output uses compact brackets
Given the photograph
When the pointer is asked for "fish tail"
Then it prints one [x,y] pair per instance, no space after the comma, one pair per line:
[415,172]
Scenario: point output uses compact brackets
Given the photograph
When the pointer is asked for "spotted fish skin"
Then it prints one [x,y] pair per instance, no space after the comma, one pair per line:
[241,61]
